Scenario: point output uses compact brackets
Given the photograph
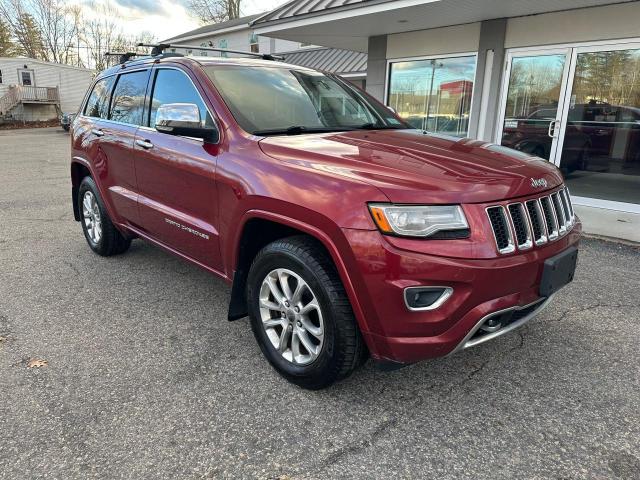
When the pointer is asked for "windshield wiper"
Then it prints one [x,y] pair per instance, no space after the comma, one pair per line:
[296,130]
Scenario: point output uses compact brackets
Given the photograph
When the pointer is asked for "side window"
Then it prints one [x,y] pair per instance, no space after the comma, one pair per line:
[98,102]
[173,86]
[127,103]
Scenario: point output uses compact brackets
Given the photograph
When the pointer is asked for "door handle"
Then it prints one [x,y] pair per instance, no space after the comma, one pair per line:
[97,132]
[552,129]
[146,144]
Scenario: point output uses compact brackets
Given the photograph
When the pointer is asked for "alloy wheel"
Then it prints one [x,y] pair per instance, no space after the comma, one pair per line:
[291,316]
[91,217]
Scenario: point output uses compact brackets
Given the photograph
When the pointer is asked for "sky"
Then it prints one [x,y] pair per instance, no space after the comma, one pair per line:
[167,18]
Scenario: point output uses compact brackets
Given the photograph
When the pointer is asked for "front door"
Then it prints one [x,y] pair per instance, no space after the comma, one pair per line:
[176,176]
[26,77]
[535,84]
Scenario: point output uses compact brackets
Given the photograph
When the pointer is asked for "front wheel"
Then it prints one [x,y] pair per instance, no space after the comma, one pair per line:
[300,313]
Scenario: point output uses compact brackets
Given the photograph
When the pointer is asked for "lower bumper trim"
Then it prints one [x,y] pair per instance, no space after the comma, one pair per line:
[472,338]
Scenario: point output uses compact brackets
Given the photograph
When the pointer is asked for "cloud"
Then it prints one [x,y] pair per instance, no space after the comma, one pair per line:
[152,7]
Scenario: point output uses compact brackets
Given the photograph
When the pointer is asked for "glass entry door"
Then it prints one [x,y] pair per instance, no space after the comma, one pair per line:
[532,101]
[600,137]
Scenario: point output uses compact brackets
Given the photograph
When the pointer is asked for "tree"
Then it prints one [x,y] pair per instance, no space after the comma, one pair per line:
[214,11]
[7,46]
[29,37]
[56,23]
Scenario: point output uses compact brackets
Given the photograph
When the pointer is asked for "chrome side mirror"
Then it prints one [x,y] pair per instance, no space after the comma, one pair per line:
[184,119]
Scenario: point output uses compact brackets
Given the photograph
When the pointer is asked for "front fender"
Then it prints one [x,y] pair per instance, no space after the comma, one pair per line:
[332,238]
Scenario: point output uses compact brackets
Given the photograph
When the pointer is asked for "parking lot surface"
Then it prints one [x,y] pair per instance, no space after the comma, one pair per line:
[145,377]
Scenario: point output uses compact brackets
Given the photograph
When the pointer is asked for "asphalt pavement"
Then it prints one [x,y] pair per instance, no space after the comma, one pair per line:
[143,377]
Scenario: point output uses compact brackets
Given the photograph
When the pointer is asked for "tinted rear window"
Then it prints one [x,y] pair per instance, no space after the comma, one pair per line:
[127,103]
[98,103]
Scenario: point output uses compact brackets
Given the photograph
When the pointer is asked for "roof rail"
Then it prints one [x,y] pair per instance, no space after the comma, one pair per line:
[159,48]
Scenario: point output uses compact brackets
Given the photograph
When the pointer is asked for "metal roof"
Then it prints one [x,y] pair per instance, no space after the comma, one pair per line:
[303,7]
[335,60]
[236,22]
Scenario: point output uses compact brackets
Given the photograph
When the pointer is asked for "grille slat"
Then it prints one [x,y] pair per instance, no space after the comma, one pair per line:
[550,218]
[536,221]
[562,221]
[501,230]
[536,218]
[520,225]
[565,207]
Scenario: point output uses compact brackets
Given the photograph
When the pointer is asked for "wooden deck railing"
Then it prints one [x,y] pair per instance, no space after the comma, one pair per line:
[27,94]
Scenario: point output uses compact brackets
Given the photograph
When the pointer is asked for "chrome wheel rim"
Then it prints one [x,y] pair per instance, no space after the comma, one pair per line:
[291,316]
[91,216]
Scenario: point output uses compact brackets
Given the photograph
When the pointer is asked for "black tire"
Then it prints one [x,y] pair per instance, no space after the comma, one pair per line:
[111,242]
[343,348]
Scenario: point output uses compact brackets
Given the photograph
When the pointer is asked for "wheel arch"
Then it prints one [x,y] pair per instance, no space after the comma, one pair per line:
[258,229]
[79,170]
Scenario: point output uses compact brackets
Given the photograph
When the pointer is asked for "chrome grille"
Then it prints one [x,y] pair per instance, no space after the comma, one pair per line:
[534,222]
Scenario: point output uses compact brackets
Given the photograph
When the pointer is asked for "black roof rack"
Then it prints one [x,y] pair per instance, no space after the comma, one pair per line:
[124,56]
[159,48]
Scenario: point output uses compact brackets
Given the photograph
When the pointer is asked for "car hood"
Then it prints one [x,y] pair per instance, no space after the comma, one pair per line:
[412,167]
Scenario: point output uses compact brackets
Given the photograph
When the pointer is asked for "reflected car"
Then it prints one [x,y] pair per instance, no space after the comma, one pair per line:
[531,135]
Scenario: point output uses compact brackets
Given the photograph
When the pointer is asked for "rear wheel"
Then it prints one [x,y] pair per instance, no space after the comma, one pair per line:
[300,313]
[100,233]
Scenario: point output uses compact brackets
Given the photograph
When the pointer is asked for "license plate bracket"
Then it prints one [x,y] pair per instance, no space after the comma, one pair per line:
[558,271]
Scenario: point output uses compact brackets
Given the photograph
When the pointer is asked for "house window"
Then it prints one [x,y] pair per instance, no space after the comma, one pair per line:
[203,53]
[26,78]
[254,45]
[434,94]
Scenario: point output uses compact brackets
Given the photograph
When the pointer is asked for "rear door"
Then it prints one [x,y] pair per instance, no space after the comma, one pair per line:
[176,175]
[97,135]
[117,141]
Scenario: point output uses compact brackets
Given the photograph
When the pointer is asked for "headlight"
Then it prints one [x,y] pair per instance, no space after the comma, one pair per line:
[417,220]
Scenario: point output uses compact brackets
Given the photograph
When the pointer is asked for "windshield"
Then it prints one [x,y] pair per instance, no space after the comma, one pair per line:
[272,101]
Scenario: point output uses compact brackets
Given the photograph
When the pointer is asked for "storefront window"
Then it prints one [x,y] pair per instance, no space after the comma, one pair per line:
[434,95]
[601,149]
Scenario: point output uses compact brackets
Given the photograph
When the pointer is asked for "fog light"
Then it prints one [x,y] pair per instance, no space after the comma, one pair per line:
[426,298]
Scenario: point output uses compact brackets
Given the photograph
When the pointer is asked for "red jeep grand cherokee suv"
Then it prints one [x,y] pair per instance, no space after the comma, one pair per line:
[343,231]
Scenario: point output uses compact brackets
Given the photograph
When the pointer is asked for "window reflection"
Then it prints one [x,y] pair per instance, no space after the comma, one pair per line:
[127,103]
[532,103]
[434,95]
[601,150]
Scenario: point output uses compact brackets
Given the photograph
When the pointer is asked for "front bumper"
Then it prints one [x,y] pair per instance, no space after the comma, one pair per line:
[482,288]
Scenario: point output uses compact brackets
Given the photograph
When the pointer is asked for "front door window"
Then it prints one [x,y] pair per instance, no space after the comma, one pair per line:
[26,78]
[601,148]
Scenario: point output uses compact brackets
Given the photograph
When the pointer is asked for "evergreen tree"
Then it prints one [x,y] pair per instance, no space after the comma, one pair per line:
[7,47]
[29,37]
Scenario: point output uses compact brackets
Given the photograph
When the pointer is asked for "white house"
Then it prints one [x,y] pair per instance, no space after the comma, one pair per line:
[34,90]
[238,34]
